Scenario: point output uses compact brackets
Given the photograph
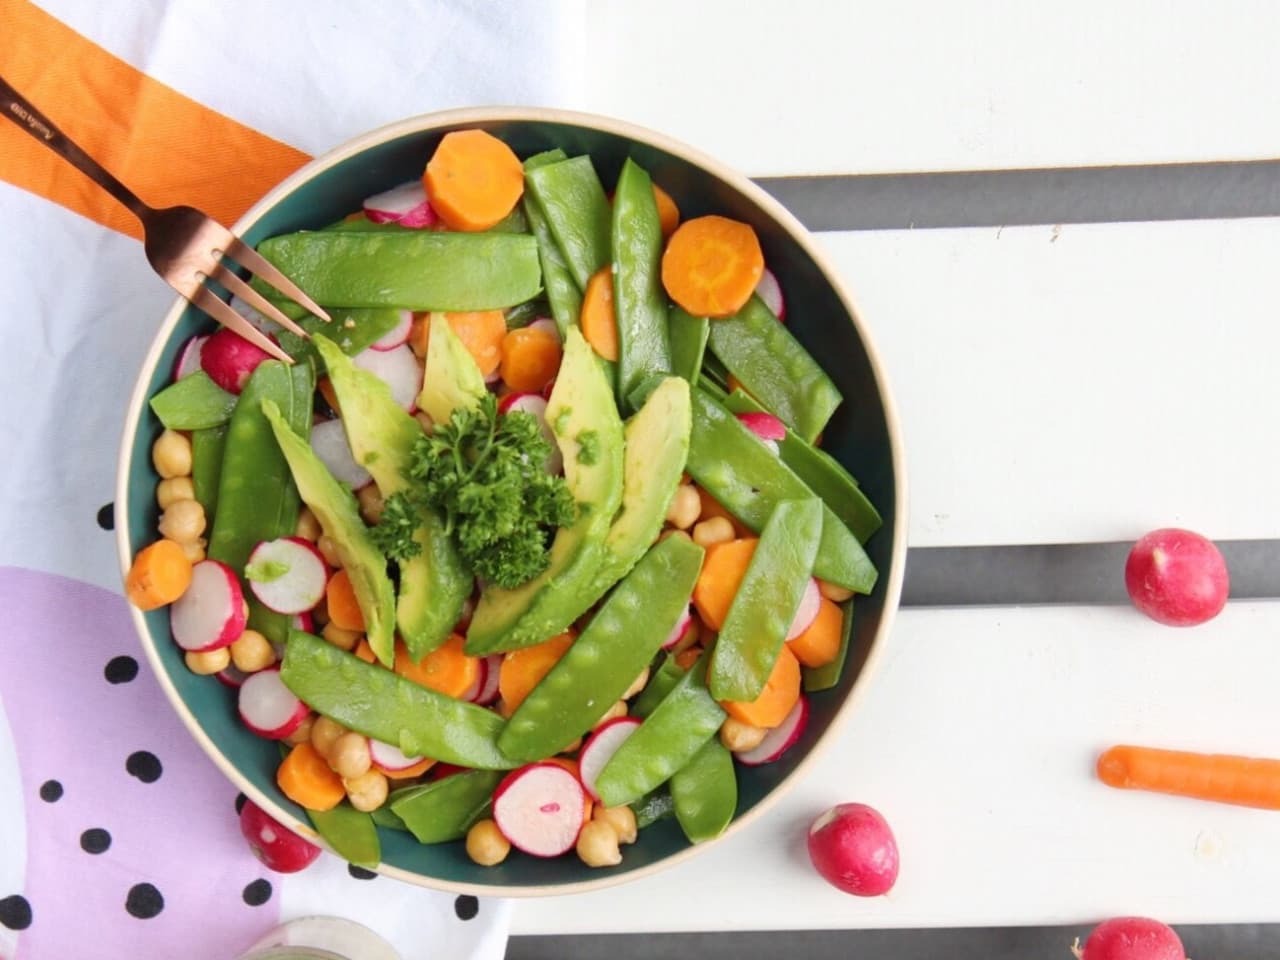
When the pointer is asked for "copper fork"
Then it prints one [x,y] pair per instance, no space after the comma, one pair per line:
[183,245]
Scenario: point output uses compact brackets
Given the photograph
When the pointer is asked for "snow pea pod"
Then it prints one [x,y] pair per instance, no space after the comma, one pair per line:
[667,739]
[577,211]
[563,294]
[445,809]
[661,682]
[206,464]
[653,807]
[639,302]
[766,601]
[352,834]
[688,343]
[609,654]
[352,329]
[193,403]
[827,676]
[705,792]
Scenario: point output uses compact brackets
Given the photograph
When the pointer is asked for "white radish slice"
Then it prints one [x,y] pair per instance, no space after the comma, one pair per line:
[807,612]
[477,685]
[232,677]
[398,335]
[390,757]
[679,630]
[188,361]
[288,575]
[464,621]
[210,614]
[781,738]
[539,809]
[536,407]
[770,291]
[405,204]
[268,707]
[489,691]
[398,369]
[263,323]
[547,324]
[329,441]
[602,745]
[304,622]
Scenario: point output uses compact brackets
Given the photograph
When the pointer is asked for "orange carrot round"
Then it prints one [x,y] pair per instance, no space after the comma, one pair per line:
[408,773]
[598,322]
[711,266]
[721,575]
[482,333]
[668,212]
[340,600]
[523,669]
[530,359]
[1244,781]
[329,394]
[160,574]
[473,180]
[365,652]
[306,778]
[820,642]
[445,669]
[780,693]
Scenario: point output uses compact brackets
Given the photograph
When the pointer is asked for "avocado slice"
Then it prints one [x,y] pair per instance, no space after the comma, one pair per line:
[452,379]
[584,417]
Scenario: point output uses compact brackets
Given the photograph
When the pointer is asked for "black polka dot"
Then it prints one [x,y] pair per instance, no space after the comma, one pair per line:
[241,800]
[120,669]
[144,765]
[466,907]
[144,901]
[15,912]
[51,791]
[95,840]
[107,517]
[257,893]
[360,873]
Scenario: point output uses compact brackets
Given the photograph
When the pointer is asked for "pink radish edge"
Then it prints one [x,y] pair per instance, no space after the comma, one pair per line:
[536,406]
[679,630]
[301,586]
[188,361]
[539,809]
[781,738]
[229,359]
[405,204]
[390,757]
[489,692]
[268,707]
[210,614]
[477,685]
[398,369]
[807,612]
[770,291]
[600,746]
[397,336]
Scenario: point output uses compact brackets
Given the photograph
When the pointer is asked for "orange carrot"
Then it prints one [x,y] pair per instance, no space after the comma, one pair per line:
[160,574]
[711,266]
[307,780]
[722,572]
[473,180]
[711,507]
[780,693]
[365,652]
[530,359]
[420,334]
[668,212]
[687,657]
[445,669]
[327,391]
[417,770]
[572,766]
[340,599]
[482,333]
[597,320]
[820,643]
[1244,781]
[523,669]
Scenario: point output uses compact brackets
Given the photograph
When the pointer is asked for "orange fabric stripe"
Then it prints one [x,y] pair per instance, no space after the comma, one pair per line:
[164,146]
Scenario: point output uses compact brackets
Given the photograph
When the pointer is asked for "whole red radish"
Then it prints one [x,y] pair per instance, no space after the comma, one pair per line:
[278,847]
[229,358]
[1177,577]
[853,849]
[1132,938]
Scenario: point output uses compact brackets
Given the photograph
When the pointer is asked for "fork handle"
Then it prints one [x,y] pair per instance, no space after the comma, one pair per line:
[20,110]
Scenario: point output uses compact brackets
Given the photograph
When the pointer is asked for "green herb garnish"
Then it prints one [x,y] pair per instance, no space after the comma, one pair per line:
[588,447]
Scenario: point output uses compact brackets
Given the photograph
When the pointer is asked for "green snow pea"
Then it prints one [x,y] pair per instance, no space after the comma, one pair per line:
[748,479]
[773,367]
[193,403]
[352,834]
[828,675]
[766,601]
[577,211]
[688,343]
[609,654]
[445,809]
[352,329]
[639,302]
[563,294]
[705,792]
[653,807]
[383,705]
[661,682]
[664,742]
[384,817]
[206,465]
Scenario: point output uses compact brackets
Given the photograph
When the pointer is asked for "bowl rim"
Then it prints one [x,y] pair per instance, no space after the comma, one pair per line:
[480,117]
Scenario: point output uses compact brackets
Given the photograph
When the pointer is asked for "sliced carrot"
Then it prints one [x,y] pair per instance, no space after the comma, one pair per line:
[572,766]
[523,669]
[445,669]
[340,599]
[597,320]
[1223,778]
[408,773]
[668,212]
[420,334]
[307,780]
[687,657]
[160,575]
[365,652]
[722,572]
[530,359]
[780,693]
[820,643]
[711,265]
[473,180]
[711,507]
[482,333]
[329,394]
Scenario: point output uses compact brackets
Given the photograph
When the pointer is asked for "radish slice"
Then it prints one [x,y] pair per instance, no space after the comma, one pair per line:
[494,377]
[304,622]
[489,691]
[232,677]
[536,407]
[288,575]
[210,614]
[229,358]
[265,324]
[268,707]
[547,324]
[188,361]
[388,757]
[477,685]
[601,745]
[329,441]
[539,809]
[398,369]
[780,739]
[765,426]
[679,630]
[468,609]
[405,204]
[397,336]
[807,612]
[770,291]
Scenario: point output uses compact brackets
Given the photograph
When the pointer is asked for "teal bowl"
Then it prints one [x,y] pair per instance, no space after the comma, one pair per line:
[864,435]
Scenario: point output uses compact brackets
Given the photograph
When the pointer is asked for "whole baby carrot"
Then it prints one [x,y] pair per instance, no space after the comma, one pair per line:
[1223,778]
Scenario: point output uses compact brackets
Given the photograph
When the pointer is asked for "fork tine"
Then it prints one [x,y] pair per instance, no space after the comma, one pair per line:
[206,300]
[244,254]
[229,279]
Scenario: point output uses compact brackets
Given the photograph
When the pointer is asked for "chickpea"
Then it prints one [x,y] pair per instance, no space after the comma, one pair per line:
[834,592]
[739,737]
[572,747]
[637,684]
[174,489]
[349,756]
[183,521]
[324,733]
[195,549]
[486,845]
[209,661]
[622,819]
[171,455]
[329,550]
[598,845]
[371,503]
[303,733]
[252,652]
[307,527]
[342,639]
[685,507]
[367,792]
[619,709]
[712,531]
